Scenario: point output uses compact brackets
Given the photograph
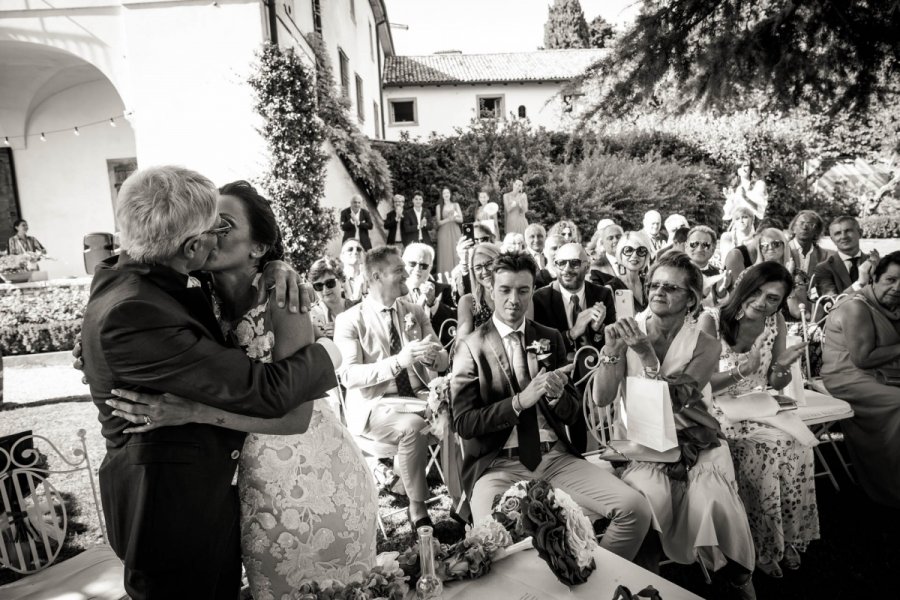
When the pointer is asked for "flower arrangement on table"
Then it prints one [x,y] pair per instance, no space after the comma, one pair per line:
[18,263]
[439,405]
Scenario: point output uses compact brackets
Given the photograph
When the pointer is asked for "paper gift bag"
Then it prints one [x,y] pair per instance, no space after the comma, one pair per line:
[650,419]
[794,390]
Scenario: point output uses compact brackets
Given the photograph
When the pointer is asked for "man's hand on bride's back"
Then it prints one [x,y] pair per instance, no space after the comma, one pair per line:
[279,275]
[152,411]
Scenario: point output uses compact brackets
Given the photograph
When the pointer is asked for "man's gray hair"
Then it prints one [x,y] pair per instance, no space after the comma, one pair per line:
[159,208]
[416,248]
[535,227]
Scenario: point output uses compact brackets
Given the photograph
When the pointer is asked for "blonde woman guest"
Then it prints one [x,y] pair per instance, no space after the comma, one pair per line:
[773,457]
[476,308]
[327,278]
[740,232]
[567,230]
[449,216]
[633,258]
[515,206]
[481,213]
[513,242]
[353,256]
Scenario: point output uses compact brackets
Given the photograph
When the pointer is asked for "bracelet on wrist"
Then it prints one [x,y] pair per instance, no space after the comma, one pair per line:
[606,359]
[735,374]
[738,369]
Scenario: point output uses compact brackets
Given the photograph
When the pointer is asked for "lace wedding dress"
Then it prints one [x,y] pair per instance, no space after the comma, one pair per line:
[308,501]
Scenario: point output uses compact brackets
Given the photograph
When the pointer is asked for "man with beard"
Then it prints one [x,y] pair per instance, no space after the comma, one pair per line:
[512,399]
[579,309]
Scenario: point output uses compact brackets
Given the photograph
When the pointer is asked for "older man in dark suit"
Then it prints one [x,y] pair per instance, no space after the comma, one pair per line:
[417,222]
[356,223]
[511,401]
[169,506]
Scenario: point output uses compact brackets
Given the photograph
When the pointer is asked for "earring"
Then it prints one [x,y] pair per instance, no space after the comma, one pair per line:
[740,315]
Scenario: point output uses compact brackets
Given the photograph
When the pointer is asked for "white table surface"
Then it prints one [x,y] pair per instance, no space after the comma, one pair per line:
[821,408]
[524,576]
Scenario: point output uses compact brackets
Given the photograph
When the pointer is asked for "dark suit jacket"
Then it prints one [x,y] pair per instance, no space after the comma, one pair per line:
[832,276]
[409,227]
[391,224]
[542,278]
[349,229]
[481,396]
[550,311]
[167,496]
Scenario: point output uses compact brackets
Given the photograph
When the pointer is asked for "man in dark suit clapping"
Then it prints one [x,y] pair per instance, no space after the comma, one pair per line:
[417,223]
[392,222]
[356,223]
[511,401]
[850,269]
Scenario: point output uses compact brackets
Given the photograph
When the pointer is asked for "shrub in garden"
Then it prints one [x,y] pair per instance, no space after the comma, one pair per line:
[44,321]
[880,226]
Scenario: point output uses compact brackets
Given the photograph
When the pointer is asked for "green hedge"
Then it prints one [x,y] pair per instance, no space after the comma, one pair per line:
[880,226]
[41,320]
[30,338]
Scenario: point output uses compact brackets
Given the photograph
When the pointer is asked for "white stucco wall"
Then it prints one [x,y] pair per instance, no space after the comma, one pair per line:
[64,189]
[440,109]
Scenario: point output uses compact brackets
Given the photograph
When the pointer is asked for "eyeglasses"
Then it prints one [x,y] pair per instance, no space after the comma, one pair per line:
[484,267]
[668,288]
[642,251]
[775,245]
[328,283]
[221,229]
[563,263]
[424,266]
[353,249]
[483,240]
[704,245]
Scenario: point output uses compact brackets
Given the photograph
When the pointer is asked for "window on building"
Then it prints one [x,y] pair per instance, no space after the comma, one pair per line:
[569,101]
[403,112]
[344,63]
[317,16]
[371,43]
[376,119]
[522,112]
[353,10]
[490,107]
[360,101]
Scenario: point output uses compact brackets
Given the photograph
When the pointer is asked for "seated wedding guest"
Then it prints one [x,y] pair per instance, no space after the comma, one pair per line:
[511,409]
[633,258]
[861,350]
[700,247]
[807,227]
[476,308]
[434,297]
[673,223]
[679,240]
[773,456]
[513,242]
[567,230]
[744,255]
[21,242]
[579,310]
[356,222]
[850,268]
[773,247]
[327,278]
[741,230]
[481,213]
[607,243]
[535,236]
[548,274]
[460,274]
[653,230]
[353,257]
[394,235]
[697,512]
[390,350]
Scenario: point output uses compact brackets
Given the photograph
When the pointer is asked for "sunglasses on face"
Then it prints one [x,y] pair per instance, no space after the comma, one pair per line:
[668,288]
[704,245]
[774,245]
[423,266]
[221,229]
[328,283]
[641,252]
[483,240]
[354,249]
[575,263]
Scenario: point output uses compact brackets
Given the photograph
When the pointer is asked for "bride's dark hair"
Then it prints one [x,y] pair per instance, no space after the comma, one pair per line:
[263,226]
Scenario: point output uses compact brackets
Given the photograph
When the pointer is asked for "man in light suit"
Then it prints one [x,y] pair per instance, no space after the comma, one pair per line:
[511,411]
[609,239]
[389,349]
[356,223]
[416,225]
[850,269]
[807,228]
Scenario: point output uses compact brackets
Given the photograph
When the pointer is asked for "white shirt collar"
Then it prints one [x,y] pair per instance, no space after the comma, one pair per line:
[377,305]
[567,296]
[504,330]
[847,257]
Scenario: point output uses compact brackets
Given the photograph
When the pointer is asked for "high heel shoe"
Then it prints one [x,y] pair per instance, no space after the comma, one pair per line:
[770,568]
[791,558]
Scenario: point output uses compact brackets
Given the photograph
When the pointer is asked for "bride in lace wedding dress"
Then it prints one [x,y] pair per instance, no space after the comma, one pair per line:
[308,499]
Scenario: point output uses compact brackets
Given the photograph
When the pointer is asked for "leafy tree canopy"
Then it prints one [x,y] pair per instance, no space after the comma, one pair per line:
[600,32]
[565,26]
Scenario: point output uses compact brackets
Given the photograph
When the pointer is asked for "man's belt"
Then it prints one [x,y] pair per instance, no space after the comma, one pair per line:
[514,452]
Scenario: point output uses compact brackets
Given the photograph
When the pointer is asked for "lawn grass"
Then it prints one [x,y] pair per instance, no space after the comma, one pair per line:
[856,557]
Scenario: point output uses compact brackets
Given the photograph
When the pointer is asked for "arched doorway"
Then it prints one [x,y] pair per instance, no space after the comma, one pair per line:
[65,146]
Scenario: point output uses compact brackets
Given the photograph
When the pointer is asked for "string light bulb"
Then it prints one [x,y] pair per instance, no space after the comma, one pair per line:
[6,140]
[112,122]
[76,132]
[43,137]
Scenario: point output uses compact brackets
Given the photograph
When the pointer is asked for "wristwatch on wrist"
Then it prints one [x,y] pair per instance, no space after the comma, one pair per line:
[396,367]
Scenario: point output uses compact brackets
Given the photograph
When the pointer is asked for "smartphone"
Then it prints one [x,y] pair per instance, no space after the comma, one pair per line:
[468,230]
[624,300]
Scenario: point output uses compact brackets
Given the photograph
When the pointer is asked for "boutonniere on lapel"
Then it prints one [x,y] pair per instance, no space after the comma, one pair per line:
[410,326]
[541,349]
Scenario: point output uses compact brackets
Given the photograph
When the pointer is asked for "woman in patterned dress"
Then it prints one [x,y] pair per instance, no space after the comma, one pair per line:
[476,308]
[773,459]
[308,499]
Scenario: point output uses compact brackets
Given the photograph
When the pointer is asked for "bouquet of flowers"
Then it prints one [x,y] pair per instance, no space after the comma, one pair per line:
[469,558]
[385,580]
[16,263]
[439,405]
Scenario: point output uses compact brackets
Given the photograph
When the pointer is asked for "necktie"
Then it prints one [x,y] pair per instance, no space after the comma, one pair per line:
[404,387]
[527,427]
[854,268]
[576,308]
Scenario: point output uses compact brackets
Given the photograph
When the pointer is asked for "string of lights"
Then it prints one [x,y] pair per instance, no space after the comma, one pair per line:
[75,129]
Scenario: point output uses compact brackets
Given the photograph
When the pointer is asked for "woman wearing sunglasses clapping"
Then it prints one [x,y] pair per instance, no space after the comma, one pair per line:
[633,256]
[327,277]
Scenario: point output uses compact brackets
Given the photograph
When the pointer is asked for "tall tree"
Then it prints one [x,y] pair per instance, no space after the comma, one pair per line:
[600,32]
[831,56]
[565,26]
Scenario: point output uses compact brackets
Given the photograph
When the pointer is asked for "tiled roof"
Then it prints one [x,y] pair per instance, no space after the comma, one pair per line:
[542,65]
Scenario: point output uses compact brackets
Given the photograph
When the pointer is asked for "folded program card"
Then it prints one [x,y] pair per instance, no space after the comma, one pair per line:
[753,405]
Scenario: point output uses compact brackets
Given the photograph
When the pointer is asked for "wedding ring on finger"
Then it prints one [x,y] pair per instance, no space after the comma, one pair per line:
[148,420]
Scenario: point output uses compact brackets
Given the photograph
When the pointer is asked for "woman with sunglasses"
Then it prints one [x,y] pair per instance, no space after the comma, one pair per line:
[476,308]
[633,257]
[773,457]
[773,247]
[353,257]
[327,278]
[697,513]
